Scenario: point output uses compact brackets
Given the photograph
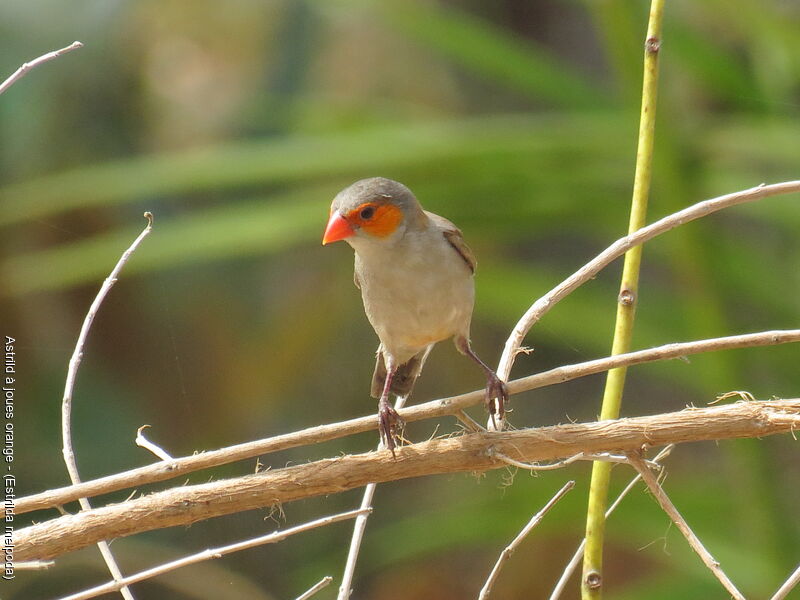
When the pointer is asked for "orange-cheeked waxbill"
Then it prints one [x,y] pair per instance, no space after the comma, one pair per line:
[415,274]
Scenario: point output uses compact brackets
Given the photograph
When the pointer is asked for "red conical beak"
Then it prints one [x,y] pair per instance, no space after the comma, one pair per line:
[338,229]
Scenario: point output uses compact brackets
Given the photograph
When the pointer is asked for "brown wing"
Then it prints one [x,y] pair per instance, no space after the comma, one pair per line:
[454,237]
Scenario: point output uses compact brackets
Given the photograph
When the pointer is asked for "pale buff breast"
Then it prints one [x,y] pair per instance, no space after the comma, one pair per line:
[416,293]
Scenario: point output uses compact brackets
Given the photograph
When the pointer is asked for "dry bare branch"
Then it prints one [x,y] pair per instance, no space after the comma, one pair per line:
[471,452]
[323,583]
[787,586]
[589,270]
[576,558]
[270,538]
[669,508]
[28,66]
[346,587]
[164,470]
[509,550]
[69,386]
[560,464]
[33,565]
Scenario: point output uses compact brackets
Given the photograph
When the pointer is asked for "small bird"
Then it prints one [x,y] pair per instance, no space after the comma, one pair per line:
[415,274]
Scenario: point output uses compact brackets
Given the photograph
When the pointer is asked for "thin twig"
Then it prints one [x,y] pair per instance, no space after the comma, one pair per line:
[346,587]
[669,508]
[509,550]
[323,583]
[28,66]
[560,464]
[468,422]
[164,470]
[270,538]
[69,386]
[143,442]
[787,586]
[576,558]
[188,504]
[33,565]
[538,309]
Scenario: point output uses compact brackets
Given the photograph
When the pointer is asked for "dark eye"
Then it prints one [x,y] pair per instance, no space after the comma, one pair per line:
[367,213]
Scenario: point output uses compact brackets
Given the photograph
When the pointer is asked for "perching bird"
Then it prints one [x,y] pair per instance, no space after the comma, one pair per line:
[416,278]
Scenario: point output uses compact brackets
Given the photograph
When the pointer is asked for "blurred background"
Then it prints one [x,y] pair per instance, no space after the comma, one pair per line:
[236,123]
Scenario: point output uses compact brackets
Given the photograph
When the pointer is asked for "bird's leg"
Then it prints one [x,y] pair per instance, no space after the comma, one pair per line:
[388,419]
[495,387]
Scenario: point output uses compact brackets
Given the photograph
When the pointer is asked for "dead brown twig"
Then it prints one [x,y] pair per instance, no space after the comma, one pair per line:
[668,507]
[509,550]
[212,553]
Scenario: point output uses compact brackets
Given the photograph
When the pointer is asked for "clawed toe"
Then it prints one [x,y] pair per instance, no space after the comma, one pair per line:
[390,424]
[496,398]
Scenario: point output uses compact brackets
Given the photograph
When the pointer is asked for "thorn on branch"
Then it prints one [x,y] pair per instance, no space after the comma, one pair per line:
[143,442]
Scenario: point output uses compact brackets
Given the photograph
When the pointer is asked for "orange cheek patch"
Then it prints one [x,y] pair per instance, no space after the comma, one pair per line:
[383,222]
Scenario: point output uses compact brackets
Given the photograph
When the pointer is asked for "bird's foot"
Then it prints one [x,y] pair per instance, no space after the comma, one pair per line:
[496,398]
[390,424]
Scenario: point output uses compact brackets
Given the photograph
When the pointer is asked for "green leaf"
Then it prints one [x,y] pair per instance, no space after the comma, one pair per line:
[255,227]
[493,53]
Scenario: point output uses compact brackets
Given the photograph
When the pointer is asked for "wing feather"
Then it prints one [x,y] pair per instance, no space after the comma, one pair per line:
[455,238]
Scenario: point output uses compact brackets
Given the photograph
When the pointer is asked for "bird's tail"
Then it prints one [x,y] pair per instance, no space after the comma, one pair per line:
[404,378]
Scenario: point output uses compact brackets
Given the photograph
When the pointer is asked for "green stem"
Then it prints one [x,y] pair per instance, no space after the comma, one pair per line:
[592,580]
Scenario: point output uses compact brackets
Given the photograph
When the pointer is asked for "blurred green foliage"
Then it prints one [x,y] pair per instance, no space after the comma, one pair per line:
[235,124]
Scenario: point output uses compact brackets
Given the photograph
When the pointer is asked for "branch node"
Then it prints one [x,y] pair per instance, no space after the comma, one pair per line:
[594,580]
[627,297]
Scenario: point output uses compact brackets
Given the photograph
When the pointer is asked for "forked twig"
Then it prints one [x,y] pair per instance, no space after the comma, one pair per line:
[270,538]
[539,308]
[669,508]
[576,558]
[28,66]
[69,386]
[509,550]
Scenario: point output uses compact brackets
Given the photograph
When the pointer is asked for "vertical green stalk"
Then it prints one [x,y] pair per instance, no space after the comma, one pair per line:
[592,579]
